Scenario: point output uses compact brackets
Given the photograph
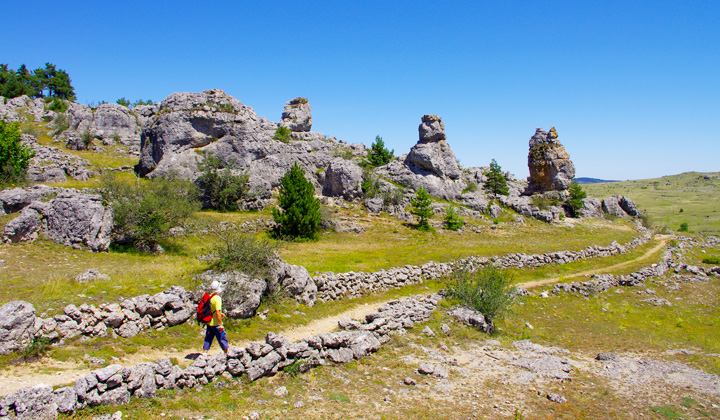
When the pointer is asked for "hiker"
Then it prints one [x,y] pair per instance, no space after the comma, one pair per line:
[215,328]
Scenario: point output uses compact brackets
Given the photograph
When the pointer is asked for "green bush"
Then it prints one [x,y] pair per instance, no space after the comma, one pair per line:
[394,197]
[378,155]
[487,290]
[496,183]
[58,105]
[711,260]
[577,194]
[219,188]
[298,212]
[472,186]
[145,212]
[370,183]
[61,123]
[123,101]
[453,221]
[282,134]
[87,138]
[422,208]
[238,251]
[684,227]
[14,156]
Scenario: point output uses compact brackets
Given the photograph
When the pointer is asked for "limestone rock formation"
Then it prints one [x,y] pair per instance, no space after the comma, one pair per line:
[15,199]
[51,164]
[111,123]
[297,115]
[70,219]
[342,178]
[17,319]
[432,153]
[550,166]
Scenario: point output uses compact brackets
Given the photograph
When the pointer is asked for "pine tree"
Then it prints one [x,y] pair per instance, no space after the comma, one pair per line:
[576,196]
[298,211]
[378,155]
[496,183]
[422,208]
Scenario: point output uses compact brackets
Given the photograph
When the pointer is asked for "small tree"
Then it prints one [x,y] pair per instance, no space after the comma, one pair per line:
[14,156]
[145,212]
[487,290]
[239,251]
[575,201]
[282,134]
[378,155]
[453,221]
[219,188]
[496,183]
[298,212]
[422,208]
[123,101]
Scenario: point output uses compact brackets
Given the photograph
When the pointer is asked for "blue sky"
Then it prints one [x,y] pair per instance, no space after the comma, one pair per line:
[632,87]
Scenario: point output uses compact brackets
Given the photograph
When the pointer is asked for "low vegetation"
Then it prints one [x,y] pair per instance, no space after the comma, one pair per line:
[282,134]
[14,156]
[487,290]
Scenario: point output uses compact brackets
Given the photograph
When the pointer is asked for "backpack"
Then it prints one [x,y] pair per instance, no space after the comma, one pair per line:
[203,310]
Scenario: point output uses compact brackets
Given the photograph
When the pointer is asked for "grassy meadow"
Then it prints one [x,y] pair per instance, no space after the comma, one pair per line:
[672,200]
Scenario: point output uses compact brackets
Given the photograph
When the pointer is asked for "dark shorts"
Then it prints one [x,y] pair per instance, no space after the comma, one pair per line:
[214,332]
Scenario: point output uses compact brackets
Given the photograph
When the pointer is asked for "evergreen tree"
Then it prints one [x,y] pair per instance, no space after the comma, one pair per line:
[453,220]
[48,81]
[378,155]
[422,208]
[298,211]
[576,196]
[496,183]
[14,156]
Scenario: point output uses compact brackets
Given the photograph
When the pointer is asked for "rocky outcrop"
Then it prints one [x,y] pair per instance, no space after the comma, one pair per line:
[110,123]
[342,178]
[71,219]
[51,164]
[10,110]
[549,163]
[15,199]
[17,319]
[297,282]
[297,115]
[432,153]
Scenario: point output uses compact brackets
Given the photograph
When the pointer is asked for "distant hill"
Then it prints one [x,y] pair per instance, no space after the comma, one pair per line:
[592,180]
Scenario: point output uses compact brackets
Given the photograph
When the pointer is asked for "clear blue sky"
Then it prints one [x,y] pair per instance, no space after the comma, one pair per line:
[633,87]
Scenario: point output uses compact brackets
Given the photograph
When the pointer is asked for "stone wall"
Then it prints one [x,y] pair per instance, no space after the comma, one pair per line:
[115,384]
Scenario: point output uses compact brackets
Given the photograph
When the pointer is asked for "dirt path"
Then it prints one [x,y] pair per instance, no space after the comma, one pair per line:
[650,252]
[54,372]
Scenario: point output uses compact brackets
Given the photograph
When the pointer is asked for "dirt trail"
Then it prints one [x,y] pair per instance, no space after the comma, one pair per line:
[650,252]
[54,372]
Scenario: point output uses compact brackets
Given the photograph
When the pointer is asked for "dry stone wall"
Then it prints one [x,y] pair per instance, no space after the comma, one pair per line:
[115,384]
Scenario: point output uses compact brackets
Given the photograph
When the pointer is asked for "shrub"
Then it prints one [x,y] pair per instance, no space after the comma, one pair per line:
[646,220]
[298,212]
[421,207]
[370,183]
[472,186]
[61,123]
[242,252]
[496,183]
[711,260]
[219,188]
[282,134]
[487,290]
[577,194]
[453,221]
[14,156]
[684,227]
[394,197]
[145,212]
[87,138]
[58,105]
[378,155]
[124,102]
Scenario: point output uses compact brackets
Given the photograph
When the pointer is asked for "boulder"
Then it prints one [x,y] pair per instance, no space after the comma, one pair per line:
[24,228]
[297,282]
[472,318]
[75,218]
[17,321]
[342,178]
[432,154]
[592,207]
[15,199]
[32,403]
[549,163]
[629,206]
[297,115]
[611,206]
[241,294]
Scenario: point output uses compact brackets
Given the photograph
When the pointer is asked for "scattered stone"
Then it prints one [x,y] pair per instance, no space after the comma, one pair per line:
[91,275]
[281,392]
[428,332]
[556,398]
[445,329]
[409,381]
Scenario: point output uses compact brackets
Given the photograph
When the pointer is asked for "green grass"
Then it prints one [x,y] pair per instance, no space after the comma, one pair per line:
[672,200]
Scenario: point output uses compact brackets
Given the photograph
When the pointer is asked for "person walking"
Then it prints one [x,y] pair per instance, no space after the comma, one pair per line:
[215,328]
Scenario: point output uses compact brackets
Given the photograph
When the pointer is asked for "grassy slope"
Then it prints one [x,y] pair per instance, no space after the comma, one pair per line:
[672,200]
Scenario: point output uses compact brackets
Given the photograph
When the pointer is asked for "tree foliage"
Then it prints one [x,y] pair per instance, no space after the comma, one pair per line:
[487,290]
[422,208]
[145,212]
[378,155]
[453,220]
[49,81]
[14,156]
[496,183]
[238,251]
[282,134]
[575,201]
[298,212]
[219,187]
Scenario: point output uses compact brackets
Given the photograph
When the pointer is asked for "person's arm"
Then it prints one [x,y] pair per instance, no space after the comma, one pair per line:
[218,316]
